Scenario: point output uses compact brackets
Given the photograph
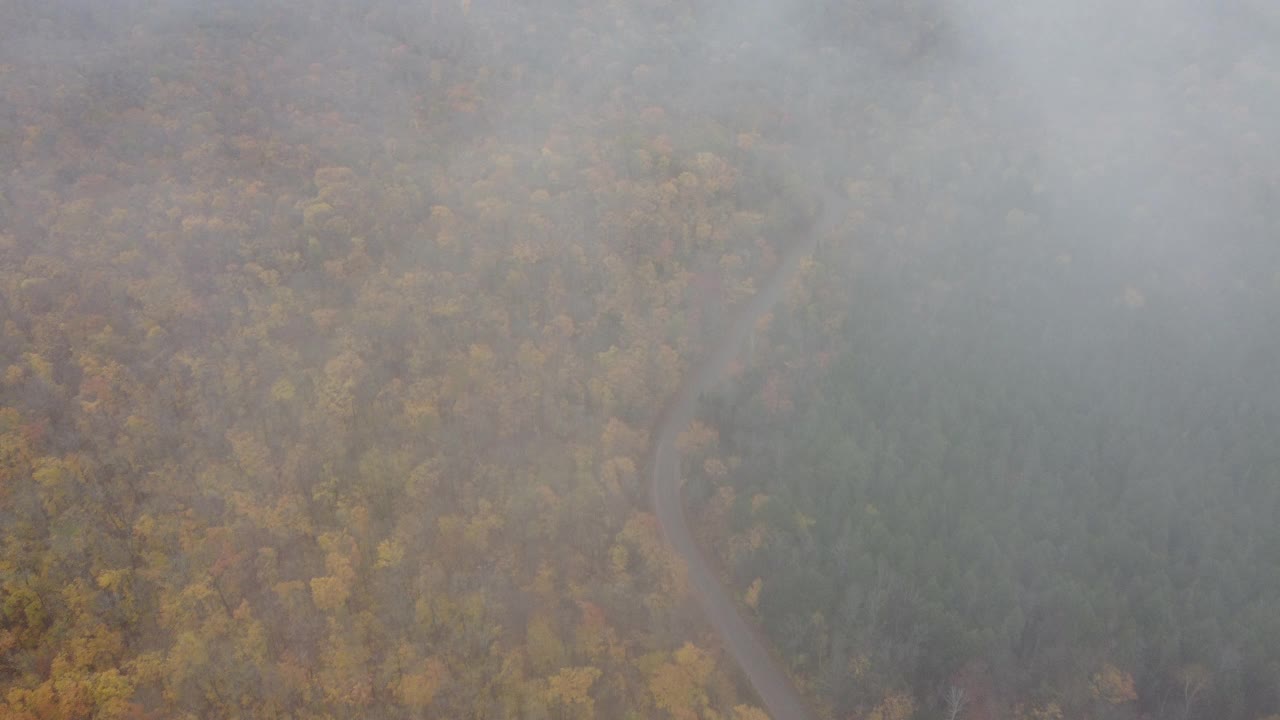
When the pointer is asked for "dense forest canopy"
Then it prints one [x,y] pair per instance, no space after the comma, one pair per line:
[1033,472]
[332,335]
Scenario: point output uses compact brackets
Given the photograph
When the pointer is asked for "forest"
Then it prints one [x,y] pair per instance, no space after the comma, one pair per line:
[333,336]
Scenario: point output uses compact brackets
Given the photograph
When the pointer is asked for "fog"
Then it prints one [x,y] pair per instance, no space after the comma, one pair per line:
[346,345]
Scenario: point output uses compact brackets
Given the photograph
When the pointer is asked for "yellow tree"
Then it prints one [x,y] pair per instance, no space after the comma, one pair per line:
[1112,685]
[679,686]
[894,706]
[571,688]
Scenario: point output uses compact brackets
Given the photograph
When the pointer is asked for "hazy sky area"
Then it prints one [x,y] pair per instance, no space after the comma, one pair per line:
[339,345]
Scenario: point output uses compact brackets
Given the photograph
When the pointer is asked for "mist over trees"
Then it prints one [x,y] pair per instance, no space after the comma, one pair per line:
[1030,470]
[332,335]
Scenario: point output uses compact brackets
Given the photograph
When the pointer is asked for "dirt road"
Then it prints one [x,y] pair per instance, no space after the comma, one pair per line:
[741,638]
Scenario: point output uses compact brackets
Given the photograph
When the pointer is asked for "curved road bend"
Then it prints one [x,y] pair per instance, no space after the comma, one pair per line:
[743,641]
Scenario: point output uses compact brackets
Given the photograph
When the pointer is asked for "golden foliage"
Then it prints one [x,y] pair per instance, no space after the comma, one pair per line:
[329,397]
[418,689]
[752,596]
[894,706]
[747,712]
[572,686]
[679,686]
[1112,685]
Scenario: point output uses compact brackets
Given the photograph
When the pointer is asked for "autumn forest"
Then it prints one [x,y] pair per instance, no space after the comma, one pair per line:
[334,337]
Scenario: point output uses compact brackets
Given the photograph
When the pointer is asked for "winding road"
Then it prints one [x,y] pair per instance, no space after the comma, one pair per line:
[743,641]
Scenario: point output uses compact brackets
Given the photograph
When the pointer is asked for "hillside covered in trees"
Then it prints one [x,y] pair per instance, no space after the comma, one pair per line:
[331,337]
